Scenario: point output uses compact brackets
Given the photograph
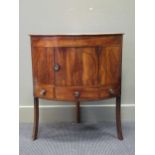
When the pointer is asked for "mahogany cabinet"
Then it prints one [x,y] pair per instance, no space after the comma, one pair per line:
[76,68]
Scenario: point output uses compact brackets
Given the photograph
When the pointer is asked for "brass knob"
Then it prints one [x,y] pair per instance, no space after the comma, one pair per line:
[76,93]
[56,67]
[42,92]
[111,91]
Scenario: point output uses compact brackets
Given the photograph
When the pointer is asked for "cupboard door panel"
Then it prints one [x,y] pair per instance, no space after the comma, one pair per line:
[42,64]
[110,65]
[78,66]
[90,67]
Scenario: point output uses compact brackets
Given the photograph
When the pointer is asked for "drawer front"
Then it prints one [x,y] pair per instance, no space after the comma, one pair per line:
[109,91]
[76,40]
[44,91]
[68,93]
[72,93]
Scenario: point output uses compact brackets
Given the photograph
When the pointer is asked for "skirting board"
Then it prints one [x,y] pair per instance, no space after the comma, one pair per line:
[67,113]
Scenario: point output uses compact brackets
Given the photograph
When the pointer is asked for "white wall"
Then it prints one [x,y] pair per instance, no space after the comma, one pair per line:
[78,17]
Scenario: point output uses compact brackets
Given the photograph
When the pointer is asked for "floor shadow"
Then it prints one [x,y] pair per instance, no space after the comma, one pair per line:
[74,132]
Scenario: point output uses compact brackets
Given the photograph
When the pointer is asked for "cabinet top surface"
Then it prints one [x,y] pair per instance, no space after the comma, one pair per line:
[73,35]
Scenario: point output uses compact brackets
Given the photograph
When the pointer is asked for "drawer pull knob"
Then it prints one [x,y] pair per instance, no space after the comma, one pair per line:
[76,93]
[111,91]
[56,67]
[42,92]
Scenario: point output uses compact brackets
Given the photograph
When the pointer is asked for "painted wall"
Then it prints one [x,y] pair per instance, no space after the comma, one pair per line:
[76,17]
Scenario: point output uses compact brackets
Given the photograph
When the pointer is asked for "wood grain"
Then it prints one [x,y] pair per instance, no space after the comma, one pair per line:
[76,41]
[42,65]
[110,65]
[67,93]
[78,66]
[49,91]
[90,64]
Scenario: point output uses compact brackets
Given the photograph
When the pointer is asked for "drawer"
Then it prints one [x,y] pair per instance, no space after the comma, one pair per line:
[109,91]
[70,93]
[44,91]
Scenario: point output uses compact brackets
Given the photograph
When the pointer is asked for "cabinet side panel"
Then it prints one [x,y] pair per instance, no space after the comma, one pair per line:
[42,64]
[110,65]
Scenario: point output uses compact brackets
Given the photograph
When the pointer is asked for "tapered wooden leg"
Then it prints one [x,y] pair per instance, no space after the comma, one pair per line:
[118,118]
[36,118]
[78,111]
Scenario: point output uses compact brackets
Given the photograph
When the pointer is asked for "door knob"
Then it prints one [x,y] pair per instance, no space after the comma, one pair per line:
[56,67]
[76,93]
[111,91]
[42,92]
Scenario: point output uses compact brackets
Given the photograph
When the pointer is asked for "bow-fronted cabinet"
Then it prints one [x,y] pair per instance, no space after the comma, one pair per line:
[76,68]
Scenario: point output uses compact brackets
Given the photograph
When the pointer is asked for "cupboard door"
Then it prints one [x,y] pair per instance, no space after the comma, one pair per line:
[43,74]
[78,66]
[110,65]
